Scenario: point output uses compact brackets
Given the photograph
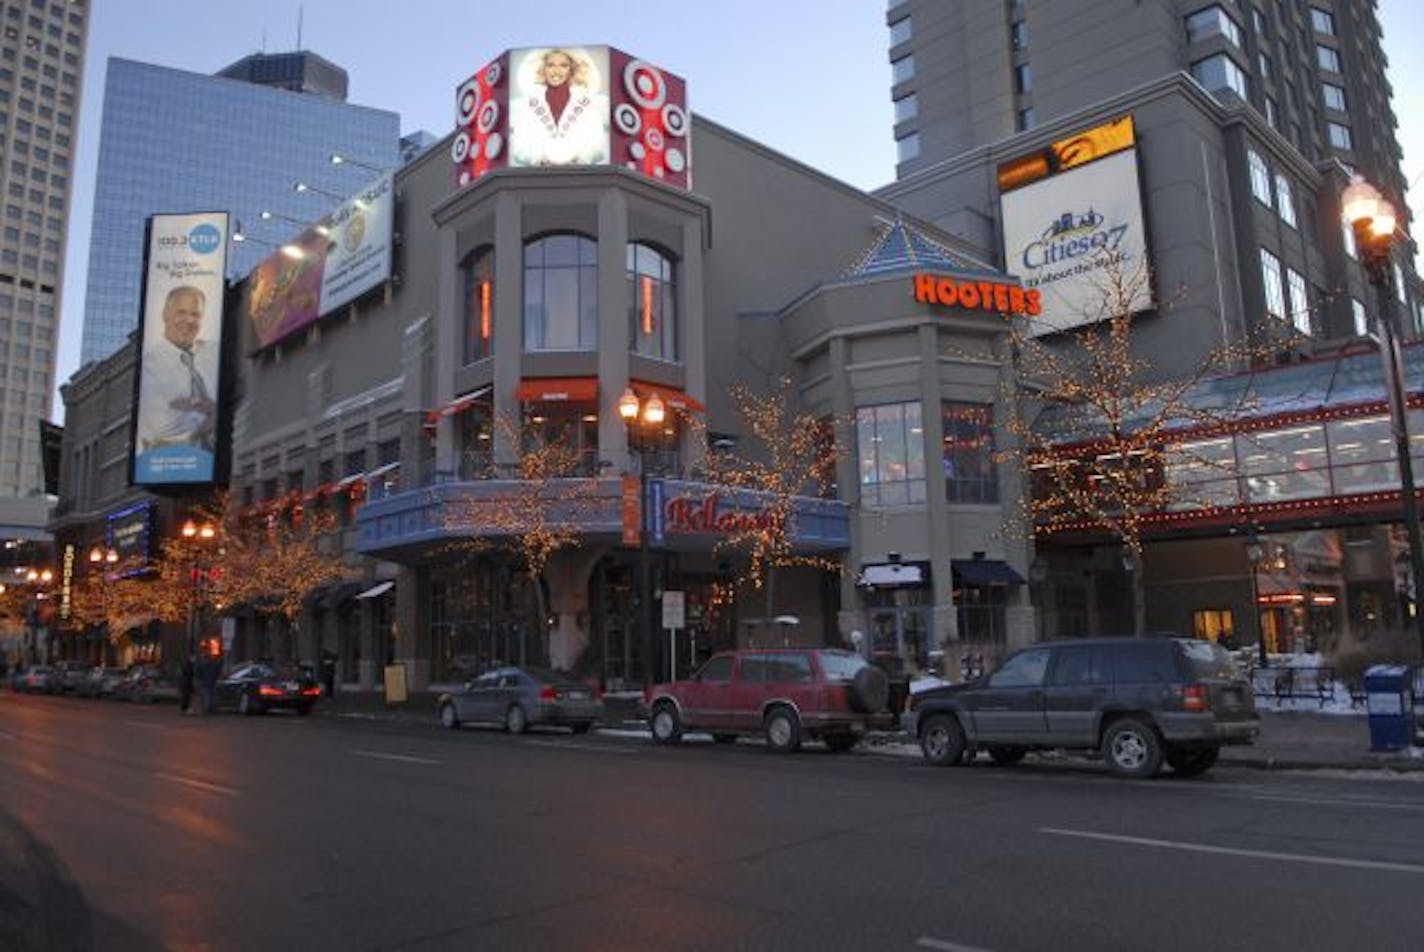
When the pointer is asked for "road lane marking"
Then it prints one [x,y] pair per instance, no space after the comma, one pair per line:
[566,745]
[199,784]
[401,758]
[1231,851]
[1337,801]
[928,942]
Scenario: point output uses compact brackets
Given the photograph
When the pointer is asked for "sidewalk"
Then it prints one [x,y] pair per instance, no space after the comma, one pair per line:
[1289,740]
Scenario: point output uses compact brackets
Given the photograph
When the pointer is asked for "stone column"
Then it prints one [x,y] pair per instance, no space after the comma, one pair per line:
[370,657]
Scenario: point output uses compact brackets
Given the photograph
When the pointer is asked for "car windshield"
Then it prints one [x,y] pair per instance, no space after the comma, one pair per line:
[1210,660]
[841,665]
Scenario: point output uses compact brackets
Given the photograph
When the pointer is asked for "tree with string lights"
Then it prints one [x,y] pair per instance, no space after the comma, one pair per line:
[1115,457]
[535,509]
[785,456]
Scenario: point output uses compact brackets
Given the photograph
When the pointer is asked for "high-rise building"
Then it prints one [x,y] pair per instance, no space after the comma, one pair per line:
[175,141]
[1249,119]
[41,74]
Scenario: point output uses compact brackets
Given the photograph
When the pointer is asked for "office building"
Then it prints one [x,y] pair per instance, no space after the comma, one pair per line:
[1217,138]
[175,141]
[41,75]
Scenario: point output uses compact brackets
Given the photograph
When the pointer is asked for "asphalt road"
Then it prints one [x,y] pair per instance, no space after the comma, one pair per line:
[152,830]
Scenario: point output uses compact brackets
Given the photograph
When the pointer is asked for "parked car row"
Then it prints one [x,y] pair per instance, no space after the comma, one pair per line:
[252,688]
[1137,703]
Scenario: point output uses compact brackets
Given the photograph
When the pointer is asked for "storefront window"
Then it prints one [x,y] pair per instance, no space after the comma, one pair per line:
[477,271]
[969,471]
[476,433]
[1285,464]
[1214,624]
[1362,455]
[571,426]
[561,293]
[1203,474]
[981,613]
[890,442]
[652,319]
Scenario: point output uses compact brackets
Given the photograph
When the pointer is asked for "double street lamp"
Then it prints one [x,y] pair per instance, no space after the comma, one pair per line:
[1373,220]
[103,560]
[38,580]
[647,414]
[196,535]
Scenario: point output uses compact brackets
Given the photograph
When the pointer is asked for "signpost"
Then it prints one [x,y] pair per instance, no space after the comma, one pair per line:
[674,618]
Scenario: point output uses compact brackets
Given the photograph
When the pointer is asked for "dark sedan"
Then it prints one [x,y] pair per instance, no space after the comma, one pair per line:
[259,687]
[519,697]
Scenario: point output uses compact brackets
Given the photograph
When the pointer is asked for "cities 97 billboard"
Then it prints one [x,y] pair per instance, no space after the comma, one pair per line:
[333,262]
[176,407]
[1073,234]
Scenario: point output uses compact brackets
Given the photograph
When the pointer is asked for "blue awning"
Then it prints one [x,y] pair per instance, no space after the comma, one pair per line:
[985,572]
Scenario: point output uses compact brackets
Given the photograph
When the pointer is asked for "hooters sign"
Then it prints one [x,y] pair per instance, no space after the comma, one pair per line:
[711,516]
[976,295]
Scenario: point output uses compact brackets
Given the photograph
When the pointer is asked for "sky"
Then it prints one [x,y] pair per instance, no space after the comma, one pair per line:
[808,78]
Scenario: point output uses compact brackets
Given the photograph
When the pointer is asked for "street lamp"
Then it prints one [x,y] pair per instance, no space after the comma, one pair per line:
[195,535]
[1255,555]
[103,560]
[38,580]
[338,159]
[307,187]
[1373,219]
[649,413]
[289,249]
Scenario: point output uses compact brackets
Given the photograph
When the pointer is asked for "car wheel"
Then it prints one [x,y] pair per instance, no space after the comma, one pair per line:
[839,743]
[1006,756]
[245,704]
[724,738]
[783,731]
[515,720]
[665,724]
[449,718]
[942,740]
[1192,763]
[1132,748]
[582,727]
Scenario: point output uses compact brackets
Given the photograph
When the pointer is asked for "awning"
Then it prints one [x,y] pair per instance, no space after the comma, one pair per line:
[459,405]
[382,470]
[670,396]
[894,573]
[985,572]
[557,390]
[348,480]
[377,590]
[337,594]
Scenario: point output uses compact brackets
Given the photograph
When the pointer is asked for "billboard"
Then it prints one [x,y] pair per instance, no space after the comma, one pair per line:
[572,105]
[1069,235]
[181,333]
[330,264]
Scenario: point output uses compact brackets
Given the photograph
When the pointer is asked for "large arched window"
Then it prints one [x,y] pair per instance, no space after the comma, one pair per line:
[653,296]
[561,293]
[477,273]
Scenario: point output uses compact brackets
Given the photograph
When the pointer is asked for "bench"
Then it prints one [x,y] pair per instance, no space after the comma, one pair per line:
[1316,683]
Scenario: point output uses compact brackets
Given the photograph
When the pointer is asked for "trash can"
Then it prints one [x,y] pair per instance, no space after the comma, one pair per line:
[1389,699]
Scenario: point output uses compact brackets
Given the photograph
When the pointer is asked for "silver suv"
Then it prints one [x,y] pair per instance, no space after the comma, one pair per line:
[1139,702]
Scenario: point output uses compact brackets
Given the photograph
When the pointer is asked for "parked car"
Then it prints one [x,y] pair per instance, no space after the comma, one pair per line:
[788,694]
[70,674]
[99,682]
[259,687]
[1139,702]
[36,679]
[147,685]
[520,697]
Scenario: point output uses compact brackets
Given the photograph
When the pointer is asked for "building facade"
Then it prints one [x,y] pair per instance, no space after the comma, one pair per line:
[1237,126]
[160,150]
[41,75]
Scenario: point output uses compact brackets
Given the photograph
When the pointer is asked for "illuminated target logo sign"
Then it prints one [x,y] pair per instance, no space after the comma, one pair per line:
[572,105]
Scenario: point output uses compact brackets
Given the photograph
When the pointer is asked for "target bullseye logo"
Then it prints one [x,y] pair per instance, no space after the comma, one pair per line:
[644,84]
[489,117]
[626,118]
[460,148]
[467,102]
[674,120]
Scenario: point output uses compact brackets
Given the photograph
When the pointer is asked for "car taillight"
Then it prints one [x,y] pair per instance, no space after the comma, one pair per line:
[267,690]
[1195,698]
[312,692]
[547,693]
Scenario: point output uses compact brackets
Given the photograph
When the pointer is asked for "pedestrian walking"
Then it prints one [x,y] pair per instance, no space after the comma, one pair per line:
[185,685]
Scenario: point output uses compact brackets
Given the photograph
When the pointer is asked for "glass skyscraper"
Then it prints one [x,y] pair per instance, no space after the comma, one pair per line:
[41,73]
[175,141]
